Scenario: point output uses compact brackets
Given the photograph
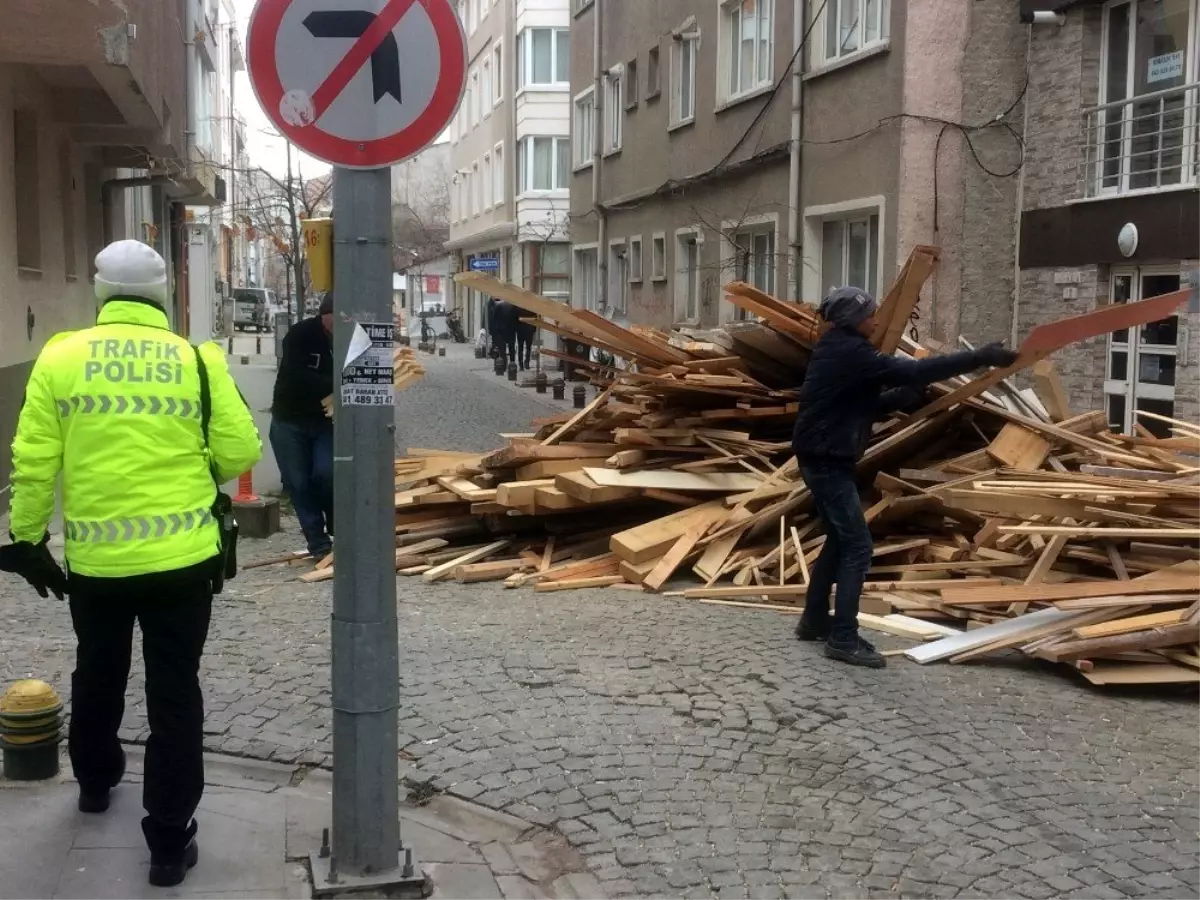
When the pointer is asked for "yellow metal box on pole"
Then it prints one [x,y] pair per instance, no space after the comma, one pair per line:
[318,249]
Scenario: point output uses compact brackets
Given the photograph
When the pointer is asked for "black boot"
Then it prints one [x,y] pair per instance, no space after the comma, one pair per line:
[171,854]
[860,653]
[806,631]
[97,801]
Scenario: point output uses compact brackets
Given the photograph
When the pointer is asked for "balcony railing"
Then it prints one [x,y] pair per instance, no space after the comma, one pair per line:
[1142,144]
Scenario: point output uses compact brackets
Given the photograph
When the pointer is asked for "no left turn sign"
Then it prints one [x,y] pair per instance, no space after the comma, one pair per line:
[358,83]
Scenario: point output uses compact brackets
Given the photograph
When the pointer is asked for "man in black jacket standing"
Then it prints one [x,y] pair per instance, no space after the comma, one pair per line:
[842,395]
[301,431]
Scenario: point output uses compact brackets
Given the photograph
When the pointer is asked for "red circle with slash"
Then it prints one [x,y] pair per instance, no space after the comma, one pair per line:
[303,128]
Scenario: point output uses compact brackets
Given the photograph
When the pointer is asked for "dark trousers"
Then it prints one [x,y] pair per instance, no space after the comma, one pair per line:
[846,555]
[173,610]
[507,342]
[304,452]
[524,346]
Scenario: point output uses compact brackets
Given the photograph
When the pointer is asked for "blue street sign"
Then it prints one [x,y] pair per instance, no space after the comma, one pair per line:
[485,264]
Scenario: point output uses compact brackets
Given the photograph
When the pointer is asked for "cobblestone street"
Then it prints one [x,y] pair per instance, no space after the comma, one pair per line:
[688,749]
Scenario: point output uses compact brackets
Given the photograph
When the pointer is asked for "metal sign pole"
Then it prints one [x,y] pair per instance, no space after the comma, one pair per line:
[366,831]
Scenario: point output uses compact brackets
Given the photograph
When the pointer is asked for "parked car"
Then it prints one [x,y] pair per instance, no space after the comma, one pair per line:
[252,309]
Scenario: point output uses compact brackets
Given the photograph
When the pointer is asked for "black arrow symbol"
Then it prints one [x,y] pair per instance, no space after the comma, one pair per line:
[385,59]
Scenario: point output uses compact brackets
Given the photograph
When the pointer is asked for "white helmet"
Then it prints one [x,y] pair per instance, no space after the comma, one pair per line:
[131,269]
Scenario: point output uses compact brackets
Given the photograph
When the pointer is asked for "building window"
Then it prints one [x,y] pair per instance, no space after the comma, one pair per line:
[1142,366]
[498,177]
[683,77]
[474,98]
[542,164]
[687,280]
[554,265]
[631,84]
[28,196]
[587,279]
[635,259]
[489,189]
[486,93]
[614,112]
[658,257]
[653,75]
[852,25]
[1139,136]
[498,77]
[754,260]
[748,27]
[67,205]
[583,133]
[543,58]
[850,253]
[618,277]
[475,188]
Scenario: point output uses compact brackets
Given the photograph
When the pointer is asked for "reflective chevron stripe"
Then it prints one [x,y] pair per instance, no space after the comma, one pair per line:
[108,531]
[135,405]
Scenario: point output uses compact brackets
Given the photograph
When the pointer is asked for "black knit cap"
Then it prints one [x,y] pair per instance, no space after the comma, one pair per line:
[326,304]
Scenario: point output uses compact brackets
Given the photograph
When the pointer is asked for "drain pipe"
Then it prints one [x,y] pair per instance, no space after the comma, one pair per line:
[795,240]
[1014,339]
[597,156]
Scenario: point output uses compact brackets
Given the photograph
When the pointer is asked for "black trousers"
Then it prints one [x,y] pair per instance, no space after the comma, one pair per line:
[173,610]
[524,346]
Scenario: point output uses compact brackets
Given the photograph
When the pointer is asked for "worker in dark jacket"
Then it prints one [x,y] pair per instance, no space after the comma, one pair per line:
[301,430]
[525,334]
[842,395]
[505,316]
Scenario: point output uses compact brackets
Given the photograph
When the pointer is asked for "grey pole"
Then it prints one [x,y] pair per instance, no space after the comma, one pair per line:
[366,830]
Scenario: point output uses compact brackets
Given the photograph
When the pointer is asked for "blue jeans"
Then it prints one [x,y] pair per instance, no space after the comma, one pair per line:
[304,451]
[846,555]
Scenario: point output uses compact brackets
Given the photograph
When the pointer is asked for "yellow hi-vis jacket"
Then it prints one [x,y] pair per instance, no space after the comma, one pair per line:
[116,410]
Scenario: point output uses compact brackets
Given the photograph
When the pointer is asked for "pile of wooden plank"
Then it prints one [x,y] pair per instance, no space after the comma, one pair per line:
[1003,521]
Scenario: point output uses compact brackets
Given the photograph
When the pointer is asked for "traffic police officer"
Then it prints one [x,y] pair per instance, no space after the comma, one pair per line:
[116,409]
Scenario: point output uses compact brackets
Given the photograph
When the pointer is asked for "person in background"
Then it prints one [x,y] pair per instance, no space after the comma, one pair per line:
[301,430]
[843,393]
[506,315]
[525,335]
[142,427]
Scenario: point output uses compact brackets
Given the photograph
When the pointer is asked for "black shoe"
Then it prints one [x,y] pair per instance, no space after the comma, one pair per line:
[98,801]
[807,632]
[861,654]
[168,873]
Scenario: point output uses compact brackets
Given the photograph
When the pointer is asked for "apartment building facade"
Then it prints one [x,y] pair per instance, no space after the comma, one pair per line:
[509,149]
[797,146]
[1110,200]
[94,145]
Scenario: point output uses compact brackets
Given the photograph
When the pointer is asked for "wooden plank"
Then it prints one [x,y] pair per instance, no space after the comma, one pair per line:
[1131,623]
[904,294]
[446,568]
[799,590]
[1005,629]
[578,583]
[1019,448]
[487,571]
[1104,532]
[585,489]
[654,538]
[976,594]
[1104,673]
[548,468]
[674,557]
[726,482]
[520,493]
[717,552]
[1050,391]
[572,423]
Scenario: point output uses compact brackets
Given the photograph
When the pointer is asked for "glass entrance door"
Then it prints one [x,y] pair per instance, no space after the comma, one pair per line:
[1141,361]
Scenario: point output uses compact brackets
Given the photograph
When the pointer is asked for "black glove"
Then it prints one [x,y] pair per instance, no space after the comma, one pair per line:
[35,564]
[996,355]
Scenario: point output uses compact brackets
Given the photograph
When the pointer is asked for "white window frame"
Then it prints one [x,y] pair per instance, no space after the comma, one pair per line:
[525,80]
[614,109]
[687,34]
[681,316]
[730,24]
[583,144]
[577,252]
[474,190]
[486,90]
[498,73]
[487,182]
[658,261]
[814,219]
[635,256]
[500,174]
[526,178]
[826,55]
[730,230]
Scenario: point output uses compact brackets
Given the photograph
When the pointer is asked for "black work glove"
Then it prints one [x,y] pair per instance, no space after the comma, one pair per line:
[906,398]
[996,355]
[35,564]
